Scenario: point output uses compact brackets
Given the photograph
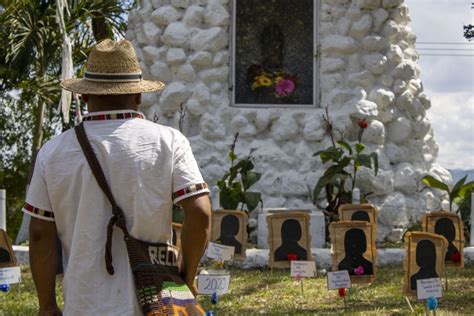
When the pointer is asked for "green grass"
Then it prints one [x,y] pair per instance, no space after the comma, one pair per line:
[260,292]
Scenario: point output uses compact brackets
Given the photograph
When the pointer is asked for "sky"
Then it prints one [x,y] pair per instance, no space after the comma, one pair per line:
[447,80]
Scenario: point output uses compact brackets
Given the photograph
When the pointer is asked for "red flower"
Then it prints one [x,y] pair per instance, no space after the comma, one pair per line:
[362,124]
[342,292]
[291,256]
[456,257]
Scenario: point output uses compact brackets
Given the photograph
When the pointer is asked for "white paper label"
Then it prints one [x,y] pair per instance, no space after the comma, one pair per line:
[213,283]
[10,275]
[425,288]
[305,269]
[220,252]
[339,279]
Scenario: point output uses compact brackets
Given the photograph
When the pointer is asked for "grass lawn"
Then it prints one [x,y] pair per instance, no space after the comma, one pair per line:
[256,292]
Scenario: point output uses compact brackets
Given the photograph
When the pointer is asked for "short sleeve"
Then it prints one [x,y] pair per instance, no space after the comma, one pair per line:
[187,179]
[37,202]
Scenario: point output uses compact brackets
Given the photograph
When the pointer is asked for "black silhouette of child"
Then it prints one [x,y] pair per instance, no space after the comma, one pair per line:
[290,235]
[426,260]
[4,256]
[445,227]
[229,228]
[360,216]
[355,244]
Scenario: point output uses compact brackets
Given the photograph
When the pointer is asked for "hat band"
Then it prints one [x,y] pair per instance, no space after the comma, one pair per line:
[113,77]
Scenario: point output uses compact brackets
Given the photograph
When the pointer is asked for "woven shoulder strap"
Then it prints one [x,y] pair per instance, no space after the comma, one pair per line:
[118,217]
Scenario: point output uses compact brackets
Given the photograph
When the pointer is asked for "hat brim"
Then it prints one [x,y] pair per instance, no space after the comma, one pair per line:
[83,86]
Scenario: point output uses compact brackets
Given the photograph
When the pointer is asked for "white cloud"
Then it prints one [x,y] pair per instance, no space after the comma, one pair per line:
[447,80]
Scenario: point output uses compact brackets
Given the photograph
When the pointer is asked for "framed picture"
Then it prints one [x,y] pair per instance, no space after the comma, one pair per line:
[354,250]
[176,234]
[288,238]
[358,212]
[7,255]
[424,258]
[450,226]
[229,227]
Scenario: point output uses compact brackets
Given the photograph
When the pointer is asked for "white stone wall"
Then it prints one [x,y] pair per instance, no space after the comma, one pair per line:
[368,69]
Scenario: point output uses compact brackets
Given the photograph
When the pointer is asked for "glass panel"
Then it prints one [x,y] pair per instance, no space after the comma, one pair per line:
[274,52]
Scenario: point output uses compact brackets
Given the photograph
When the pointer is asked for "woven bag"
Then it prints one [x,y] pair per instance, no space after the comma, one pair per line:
[155,266]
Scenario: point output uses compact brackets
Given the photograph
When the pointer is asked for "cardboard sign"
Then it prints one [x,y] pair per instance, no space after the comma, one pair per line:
[425,288]
[220,252]
[354,249]
[424,259]
[229,227]
[10,275]
[450,226]
[213,283]
[305,269]
[339,279]
[358,212]
[288,238]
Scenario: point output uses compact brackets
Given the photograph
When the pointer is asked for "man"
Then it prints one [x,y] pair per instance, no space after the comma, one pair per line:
[148,168]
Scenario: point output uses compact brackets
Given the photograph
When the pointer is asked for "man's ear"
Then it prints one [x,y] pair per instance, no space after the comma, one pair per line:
[85,97]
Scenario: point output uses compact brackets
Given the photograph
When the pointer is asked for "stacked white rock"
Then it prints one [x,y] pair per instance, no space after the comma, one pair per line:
[368,70]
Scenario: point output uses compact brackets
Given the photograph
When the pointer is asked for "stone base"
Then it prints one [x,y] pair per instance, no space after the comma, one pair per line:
[317,228]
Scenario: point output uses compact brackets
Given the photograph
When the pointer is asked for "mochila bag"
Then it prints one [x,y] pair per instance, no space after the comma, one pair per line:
[155,266]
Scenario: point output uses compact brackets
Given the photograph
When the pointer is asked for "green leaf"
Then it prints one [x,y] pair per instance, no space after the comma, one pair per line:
[251,200]
[359,147]
[232,156]
[364,160]
[466,189]
[328,176]
[345,145]
[432,182]
[457,187]
[250,178]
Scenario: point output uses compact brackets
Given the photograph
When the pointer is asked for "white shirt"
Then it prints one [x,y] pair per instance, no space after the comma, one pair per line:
[145,164]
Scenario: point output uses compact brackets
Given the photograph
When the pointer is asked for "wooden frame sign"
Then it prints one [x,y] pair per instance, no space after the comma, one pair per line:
[424,258]
[450,226]
[229,227]
[7,255]
[353,249]
[288,238]
[358,212]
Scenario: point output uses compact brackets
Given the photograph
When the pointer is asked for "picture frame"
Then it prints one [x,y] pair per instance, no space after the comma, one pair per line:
[450,226]
[289,238]
[358,212]
[353,249]
[424,259]
[229,227]
[7,255]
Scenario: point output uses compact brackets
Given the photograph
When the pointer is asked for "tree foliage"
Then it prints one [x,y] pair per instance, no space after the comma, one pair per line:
[30,65]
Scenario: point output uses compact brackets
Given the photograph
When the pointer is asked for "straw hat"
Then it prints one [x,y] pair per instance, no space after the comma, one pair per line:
[112,68]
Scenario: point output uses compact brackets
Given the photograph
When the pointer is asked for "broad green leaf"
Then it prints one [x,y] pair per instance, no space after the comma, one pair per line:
[457,187]
[345,145]
[327,177]
[364,160]
[432,182]
[359,147]
[251,200]
[250,178]
[466,189]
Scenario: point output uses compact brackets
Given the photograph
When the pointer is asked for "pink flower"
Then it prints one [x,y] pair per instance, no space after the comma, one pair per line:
[359,270]
[284,88]
[298,277]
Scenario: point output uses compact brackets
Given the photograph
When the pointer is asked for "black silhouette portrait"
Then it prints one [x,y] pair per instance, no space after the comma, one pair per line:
[5,256]
[355,244]
[229,229]
[360,216]
[290,235]
[445,227]
[426,260]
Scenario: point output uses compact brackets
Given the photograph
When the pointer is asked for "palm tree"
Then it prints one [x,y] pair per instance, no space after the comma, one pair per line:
[30,57]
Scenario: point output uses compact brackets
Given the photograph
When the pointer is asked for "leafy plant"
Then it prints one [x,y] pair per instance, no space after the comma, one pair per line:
[235,184]
[345,161]
[460,190]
